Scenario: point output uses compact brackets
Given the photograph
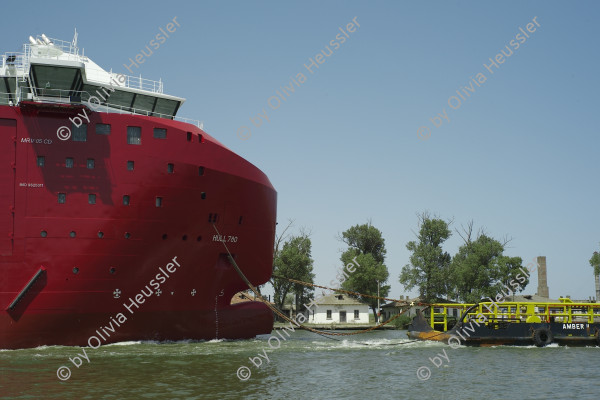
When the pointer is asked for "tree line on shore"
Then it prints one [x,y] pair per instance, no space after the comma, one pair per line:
[477,270]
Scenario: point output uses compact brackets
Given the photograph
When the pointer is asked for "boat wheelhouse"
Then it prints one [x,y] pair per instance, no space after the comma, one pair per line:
[55,71]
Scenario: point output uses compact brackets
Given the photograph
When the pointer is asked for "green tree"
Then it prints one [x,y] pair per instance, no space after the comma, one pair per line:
[293,261]
[429,267]
[480,269]
[366,247]
[367,239]
[595,263]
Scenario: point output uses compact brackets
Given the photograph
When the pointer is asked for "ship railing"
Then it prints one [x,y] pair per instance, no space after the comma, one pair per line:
[61,96]
[137,82]
[62,45]
[546,312]
[71,54]
[18,60]
[5,98]
[516,312]
[438,313]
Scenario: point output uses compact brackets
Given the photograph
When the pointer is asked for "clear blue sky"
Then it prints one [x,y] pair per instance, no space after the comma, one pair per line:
[519,156]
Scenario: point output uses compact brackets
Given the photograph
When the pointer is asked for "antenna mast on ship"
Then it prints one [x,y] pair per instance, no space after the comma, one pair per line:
[75,38]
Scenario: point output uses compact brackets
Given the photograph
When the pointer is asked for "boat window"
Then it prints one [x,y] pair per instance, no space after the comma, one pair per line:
[91,163]
[134,135]
[130,165]
[189,136]
[92,198]
[159,202]
[126,200]
[79,133]
[165,107]
[122,99]
[170,168]
[69,162]
[160,133]
[143,104]
[41,161]
[103,129]
[54,81]
[7,88]
[200,171]
[98,95]
[62,198]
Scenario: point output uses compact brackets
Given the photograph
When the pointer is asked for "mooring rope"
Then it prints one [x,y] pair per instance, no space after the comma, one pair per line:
[286,318]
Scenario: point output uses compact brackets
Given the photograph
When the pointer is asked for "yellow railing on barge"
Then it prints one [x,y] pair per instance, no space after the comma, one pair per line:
[566,312]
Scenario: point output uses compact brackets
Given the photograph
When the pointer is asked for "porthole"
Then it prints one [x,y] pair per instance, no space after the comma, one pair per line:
[100,235]
[75,270]
[72,234]
[199,238]
[43,233]
[127,235]
[112,270]
[184,237]
[164,237]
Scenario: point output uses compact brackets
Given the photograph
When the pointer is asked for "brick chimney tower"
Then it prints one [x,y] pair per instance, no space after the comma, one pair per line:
[542,290]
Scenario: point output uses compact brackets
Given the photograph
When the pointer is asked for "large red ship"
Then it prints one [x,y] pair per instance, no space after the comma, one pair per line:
[114,215]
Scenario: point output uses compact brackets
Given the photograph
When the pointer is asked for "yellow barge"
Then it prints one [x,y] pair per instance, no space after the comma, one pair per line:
[510,323]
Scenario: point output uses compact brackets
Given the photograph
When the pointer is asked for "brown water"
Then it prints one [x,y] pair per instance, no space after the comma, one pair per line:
[375,365]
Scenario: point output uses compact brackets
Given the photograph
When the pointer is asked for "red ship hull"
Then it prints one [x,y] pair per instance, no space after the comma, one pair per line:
[94,253]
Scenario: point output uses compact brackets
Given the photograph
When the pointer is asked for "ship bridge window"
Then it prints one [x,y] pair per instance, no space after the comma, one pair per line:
[122,99]
[126,200]
[41,161]
[92,198]
[62,198]
[7,85]
[52,81]
[91,163]
[69,162]
[160,133]
[103,129]
[189,136]
[96,93]
[142,103]
[130,165]
[164,107]
[134,135]
[79,133]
